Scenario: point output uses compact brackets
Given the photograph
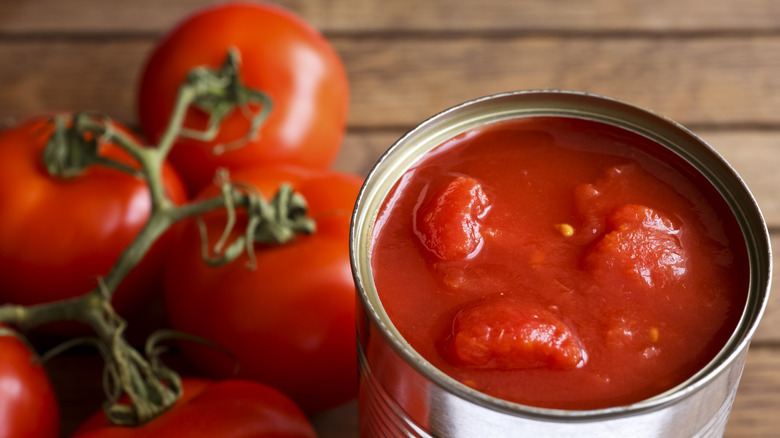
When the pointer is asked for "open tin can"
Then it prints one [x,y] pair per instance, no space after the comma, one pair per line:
[403,395]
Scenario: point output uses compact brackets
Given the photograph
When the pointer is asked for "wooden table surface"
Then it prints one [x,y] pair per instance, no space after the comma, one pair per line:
[713,65]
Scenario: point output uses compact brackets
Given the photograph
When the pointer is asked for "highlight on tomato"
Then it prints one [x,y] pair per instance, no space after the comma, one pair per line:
[206,409]
[28,405]
[280,55]
[59,232]
[288,319]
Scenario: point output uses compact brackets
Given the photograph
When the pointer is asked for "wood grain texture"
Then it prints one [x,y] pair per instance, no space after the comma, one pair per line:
[712,65]
[757,404]
[372,16]
[399,82]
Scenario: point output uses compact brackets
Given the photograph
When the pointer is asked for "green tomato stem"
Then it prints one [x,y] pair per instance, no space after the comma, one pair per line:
[74,145]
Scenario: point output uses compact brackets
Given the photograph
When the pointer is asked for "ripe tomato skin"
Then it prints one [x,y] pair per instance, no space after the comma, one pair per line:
[227,409]
[289,322]
[58,235]
[28,406]
[281,55]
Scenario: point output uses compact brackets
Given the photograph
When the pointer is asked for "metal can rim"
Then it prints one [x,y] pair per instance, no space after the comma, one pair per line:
[754,230]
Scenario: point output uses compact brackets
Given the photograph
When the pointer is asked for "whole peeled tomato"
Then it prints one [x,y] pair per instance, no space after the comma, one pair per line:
[58,235]
[288,322]
[281,55]
[28,406]
[227,409]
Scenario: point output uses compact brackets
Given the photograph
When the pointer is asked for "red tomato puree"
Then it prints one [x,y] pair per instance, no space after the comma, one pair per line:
[560,263]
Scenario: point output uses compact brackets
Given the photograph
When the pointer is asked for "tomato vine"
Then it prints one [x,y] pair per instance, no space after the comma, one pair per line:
[151,386]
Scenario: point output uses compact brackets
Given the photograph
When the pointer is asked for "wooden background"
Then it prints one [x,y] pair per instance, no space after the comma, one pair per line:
[713,65]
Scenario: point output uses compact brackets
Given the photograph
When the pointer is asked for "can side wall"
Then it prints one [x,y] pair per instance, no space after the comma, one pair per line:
[397,401]
[425,402]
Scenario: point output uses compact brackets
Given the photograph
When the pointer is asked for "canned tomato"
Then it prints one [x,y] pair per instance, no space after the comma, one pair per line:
[558,264]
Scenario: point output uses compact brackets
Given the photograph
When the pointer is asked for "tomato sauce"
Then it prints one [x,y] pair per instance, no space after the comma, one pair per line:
[560,263]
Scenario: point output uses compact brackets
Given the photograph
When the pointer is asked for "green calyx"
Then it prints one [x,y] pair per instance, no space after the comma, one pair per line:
[277,221]
[220,92]
[69,152]
[75,145]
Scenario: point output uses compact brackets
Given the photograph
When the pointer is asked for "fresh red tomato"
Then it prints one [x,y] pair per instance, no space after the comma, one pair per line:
[281,55]
[290,321]
[227,409]
[58,235]
[28,406]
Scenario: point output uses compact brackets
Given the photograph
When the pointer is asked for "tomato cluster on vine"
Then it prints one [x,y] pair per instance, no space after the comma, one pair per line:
[281,314]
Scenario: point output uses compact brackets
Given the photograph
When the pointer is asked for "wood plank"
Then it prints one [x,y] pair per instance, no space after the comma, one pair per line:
[361,149]
[755,155]
[340,16]
[56,75]
[695,80]
[755,409]
[400,82]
